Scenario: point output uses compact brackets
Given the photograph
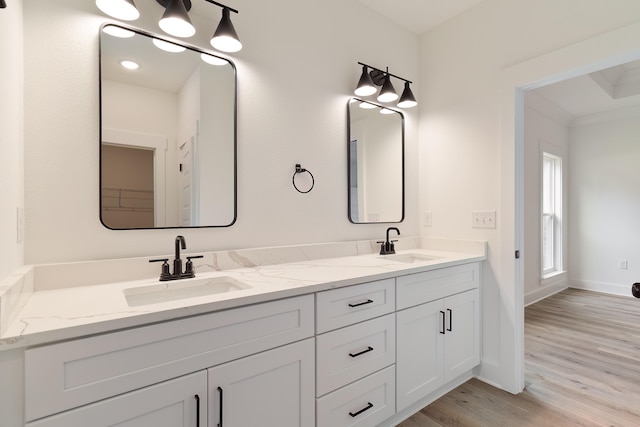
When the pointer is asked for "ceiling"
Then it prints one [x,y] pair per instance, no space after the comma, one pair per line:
[419,16]
[610,89]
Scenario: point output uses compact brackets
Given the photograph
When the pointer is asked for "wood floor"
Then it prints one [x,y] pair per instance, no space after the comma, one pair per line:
[582,356]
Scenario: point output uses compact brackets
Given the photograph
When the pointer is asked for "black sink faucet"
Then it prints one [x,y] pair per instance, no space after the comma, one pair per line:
[387,247]
[165,275]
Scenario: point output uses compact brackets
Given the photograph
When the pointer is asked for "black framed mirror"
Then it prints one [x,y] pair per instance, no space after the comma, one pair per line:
[376,163]
[168,125]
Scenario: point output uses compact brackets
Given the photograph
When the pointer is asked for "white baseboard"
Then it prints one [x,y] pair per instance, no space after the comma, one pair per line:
[544,292]
[608,288]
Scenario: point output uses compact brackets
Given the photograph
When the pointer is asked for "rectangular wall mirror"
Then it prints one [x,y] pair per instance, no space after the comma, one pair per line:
[168,134]
[376,163]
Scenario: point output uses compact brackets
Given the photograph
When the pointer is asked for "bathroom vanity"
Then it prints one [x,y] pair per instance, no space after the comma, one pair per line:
[358,340]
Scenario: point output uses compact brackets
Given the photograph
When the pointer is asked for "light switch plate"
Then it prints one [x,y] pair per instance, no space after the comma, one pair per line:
[426,219]
[483,219]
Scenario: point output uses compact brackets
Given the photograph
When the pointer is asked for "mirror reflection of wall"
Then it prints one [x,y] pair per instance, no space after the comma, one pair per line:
[376,163]
[180,107]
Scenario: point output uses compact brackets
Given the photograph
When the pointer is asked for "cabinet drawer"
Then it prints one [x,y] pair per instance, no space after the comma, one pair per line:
[415,289]
[345,306]
[367,402]
[350,353]
[69,374]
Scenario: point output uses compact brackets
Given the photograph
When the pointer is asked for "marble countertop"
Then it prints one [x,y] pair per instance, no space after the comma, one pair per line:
[66,313]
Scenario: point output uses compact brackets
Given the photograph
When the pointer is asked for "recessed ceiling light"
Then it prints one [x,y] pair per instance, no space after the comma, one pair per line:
[129,65]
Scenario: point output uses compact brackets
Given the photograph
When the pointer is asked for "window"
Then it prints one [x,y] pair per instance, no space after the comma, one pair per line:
[551,214]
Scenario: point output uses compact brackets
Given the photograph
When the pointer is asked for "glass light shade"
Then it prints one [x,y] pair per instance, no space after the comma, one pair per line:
[365,86]
[407,100]
[213,60]
[168,47]
[114,31]
[387,93]
[175,20]
[120,9]
[225,37]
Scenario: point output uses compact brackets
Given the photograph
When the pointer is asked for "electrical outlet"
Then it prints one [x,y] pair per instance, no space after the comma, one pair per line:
[426,219]
[483,219]
[623,264]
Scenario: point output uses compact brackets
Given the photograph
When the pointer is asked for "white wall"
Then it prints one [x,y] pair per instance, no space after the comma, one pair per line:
[605,202]
[295,74]
[470,68]
[11,136]
[543,132]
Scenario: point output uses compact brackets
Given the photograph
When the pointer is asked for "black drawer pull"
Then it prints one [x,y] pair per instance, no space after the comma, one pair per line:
[362,352]
[369,301]
[197,410]
[355,414]
[221,402]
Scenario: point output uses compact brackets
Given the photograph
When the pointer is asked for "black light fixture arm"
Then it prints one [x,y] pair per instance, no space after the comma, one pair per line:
[222,5]
[381,71]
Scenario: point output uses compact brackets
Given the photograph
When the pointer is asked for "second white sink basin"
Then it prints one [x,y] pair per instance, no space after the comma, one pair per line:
[181,289]
[410,258]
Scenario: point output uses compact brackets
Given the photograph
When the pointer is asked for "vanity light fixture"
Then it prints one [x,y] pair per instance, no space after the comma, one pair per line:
[175,20]
[3,4]
[120,9]
[365,86]
[388,92]
[378,77]
[225,37]
[407,100]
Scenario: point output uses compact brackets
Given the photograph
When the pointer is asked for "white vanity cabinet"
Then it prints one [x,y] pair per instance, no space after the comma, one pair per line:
[273,388]
[181,402]
[438,339]
[131,364]
[355,355]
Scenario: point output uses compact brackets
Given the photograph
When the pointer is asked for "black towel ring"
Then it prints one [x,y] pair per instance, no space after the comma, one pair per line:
[299,169]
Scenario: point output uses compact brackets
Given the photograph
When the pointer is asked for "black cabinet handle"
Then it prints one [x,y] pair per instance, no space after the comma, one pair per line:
[197,410]
[361,303]
[221,401]
[362,352]
[450,328]
[443,326]
[355,414]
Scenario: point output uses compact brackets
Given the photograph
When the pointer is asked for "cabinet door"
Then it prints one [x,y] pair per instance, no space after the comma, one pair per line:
[462,338]
[181,402]
[274,388]
[419,352]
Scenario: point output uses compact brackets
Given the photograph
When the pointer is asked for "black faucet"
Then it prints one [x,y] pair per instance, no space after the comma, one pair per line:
[177,263]
[387,247]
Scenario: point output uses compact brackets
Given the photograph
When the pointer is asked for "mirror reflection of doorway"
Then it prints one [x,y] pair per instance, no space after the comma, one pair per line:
[127,187]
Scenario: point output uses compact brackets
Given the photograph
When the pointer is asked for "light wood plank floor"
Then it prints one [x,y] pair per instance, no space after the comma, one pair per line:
[582,356]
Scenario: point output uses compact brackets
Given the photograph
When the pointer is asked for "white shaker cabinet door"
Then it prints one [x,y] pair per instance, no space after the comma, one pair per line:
[419,358]
[274,388]
[462,338]
[181,402]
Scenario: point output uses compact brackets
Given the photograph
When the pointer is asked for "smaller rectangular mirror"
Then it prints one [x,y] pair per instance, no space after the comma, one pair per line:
[376,163]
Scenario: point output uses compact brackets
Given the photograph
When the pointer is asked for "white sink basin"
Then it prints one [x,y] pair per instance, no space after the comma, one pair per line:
[410,258]
[181,289]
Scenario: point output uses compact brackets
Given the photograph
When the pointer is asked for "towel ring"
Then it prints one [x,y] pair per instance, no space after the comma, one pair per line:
[299,170]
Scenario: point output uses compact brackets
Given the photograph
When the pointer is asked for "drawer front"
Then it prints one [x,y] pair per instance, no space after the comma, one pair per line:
[367,402]
[348,354]
[69,374]
[415,289]
[353,304]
